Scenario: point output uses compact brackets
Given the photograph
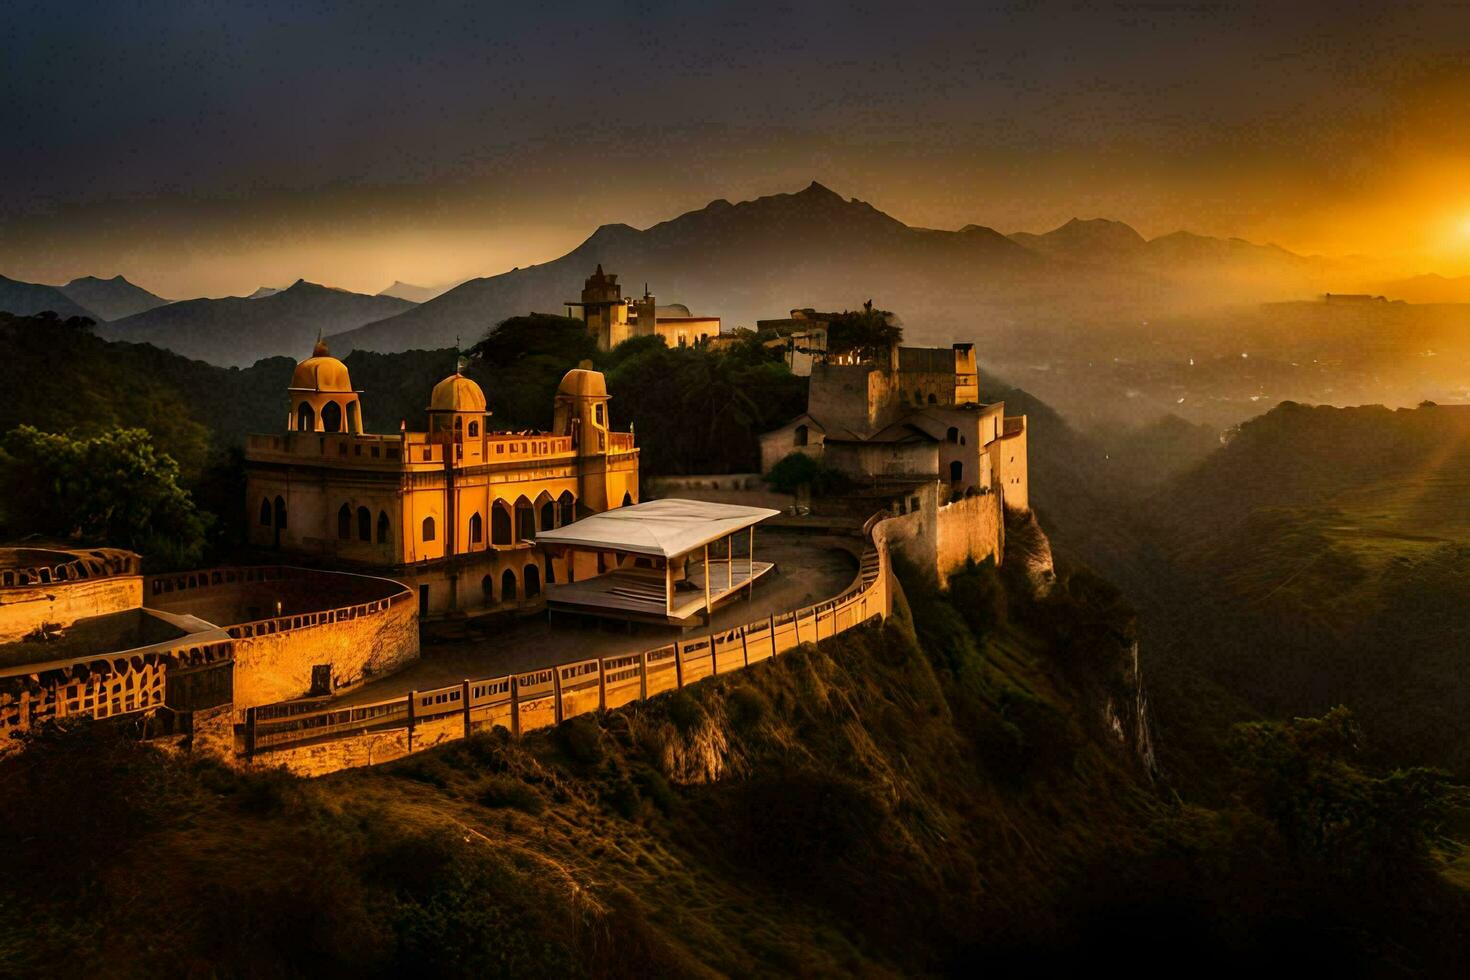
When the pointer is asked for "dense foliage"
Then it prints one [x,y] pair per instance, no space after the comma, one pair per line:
[113,488]
[867,332]
[798,471]
[694,409]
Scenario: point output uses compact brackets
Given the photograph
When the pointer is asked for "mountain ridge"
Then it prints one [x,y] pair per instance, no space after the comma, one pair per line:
[113,298]
[28,298]
[238,331]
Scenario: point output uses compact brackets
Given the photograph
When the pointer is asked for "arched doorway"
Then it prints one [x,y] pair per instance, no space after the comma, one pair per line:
[344,522]
[364,525]
[956,471]
[525,520]
[545,512]
[305,418]
[567,504]
[383,527]
[953,435]
[487,590]
[500,524]
[508,586]
[533,581]
[331,417]
[265,513]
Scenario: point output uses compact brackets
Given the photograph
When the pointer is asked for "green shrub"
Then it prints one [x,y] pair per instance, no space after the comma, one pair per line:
[507,792]
[581,739]
[685,712]
[800,470]
[747,708]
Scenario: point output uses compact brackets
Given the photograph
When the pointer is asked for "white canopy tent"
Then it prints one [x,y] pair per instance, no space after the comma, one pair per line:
[664,533]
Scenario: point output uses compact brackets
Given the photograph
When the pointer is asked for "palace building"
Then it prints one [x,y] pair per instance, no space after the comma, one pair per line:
[611,319]
[453,511]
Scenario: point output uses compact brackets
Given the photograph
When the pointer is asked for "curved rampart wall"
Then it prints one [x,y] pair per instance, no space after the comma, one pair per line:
[350,627]
[57,588]
[100,686]
[310,740]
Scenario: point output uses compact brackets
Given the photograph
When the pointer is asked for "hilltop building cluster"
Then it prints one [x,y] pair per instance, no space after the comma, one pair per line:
[454,511]
[377,533]
[612,319]
[913,417]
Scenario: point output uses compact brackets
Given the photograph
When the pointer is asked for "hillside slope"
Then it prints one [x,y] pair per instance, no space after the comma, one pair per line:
[1314,561]
[932,797]
[237,331]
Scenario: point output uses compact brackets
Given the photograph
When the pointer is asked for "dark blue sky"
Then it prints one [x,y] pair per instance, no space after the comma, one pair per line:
[191,139]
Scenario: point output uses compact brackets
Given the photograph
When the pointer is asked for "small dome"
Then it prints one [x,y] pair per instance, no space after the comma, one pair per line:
[457,393]
[581,381]
[321,372]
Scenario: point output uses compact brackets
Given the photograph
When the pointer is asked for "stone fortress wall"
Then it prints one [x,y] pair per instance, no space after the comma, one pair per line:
[116,643]
[311,740]
[289,622]
[56,588]
[939,537]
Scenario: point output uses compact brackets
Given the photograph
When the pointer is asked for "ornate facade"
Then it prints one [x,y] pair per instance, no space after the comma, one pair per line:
[452,511]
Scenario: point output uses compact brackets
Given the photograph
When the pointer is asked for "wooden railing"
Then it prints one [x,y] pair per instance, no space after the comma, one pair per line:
[526,701]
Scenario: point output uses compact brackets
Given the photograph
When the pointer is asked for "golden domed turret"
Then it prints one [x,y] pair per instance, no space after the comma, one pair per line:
[457,393]
[321,372]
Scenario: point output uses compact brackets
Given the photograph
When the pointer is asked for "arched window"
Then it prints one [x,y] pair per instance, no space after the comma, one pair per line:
[801,436]
[487,589]
[628,499]
[428,529]
[474,430]
[477,528]
[265,513]
[331,417]
[364,524]
[953,435]
[545,512]
[280,512]
[305,418]
[918,397]
[344,522]
[383,527]
[500,524]
[525,520]
[933,400]
[533,581]
[956,471]
[568,507]
[507,586]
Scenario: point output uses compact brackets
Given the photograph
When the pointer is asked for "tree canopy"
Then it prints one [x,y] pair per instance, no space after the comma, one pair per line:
[867,332]
[695,409]
[114,488]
